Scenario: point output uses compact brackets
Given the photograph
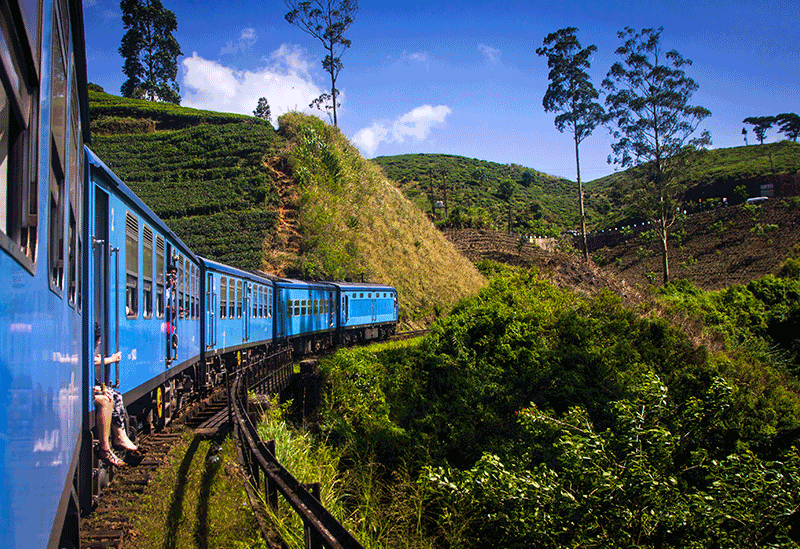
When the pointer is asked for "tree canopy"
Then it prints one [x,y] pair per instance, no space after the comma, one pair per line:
[150,51]
[652,122]
[327,21]
[760,125]
[572,94]
[789,124]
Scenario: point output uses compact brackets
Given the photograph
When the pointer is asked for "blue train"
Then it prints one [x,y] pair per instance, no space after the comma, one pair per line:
[79,250]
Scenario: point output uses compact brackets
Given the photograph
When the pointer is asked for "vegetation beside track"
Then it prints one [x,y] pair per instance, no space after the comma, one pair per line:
[196,500]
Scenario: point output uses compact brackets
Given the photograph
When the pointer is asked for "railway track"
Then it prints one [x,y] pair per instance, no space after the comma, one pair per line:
[108,526]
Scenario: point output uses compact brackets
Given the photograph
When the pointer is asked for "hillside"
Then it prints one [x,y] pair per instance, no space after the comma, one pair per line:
[714,173]
[546,205]
[298,202]
[471,188]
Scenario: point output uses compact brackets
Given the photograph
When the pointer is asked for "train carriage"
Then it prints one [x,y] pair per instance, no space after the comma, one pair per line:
[144,290]
[365,311]
[43,126]
[238,310]
[306,315]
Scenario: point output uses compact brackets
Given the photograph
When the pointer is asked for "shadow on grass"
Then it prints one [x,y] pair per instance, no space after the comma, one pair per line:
[210,472]
[176,505]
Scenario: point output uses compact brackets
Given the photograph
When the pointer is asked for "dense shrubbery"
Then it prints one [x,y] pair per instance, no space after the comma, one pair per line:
[538,418]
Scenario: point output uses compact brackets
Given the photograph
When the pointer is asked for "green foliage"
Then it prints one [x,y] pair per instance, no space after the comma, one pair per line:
[549,420]
[150,51]
[789,124]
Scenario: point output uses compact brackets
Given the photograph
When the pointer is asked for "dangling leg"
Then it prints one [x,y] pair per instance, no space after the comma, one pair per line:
[121,439]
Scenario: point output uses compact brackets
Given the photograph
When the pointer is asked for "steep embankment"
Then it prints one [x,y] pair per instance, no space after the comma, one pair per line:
[298,202]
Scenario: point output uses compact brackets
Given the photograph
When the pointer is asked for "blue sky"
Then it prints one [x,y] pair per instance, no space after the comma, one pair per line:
[463,78]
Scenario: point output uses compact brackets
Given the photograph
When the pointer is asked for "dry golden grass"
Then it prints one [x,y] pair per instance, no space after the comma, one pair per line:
[354,220]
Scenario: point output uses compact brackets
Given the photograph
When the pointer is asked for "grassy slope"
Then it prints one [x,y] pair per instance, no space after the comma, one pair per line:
[232,188]
[204,175]
[558,197]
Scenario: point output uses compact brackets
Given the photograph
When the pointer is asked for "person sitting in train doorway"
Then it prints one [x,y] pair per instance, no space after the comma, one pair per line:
[110,410]
[172,291]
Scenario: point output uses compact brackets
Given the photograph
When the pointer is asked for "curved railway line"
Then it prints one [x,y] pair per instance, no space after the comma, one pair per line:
[109,524]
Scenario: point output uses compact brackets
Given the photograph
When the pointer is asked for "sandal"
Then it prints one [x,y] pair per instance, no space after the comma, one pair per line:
[109,458]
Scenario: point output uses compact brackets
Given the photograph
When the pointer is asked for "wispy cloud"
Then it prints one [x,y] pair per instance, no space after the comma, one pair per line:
[492,55]
[416,57]
[416,123]
[286,82]
[247,38]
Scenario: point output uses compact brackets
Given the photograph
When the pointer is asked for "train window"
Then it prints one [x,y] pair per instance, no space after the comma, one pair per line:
[196,292]
[19,191]
[147,272]
[256,302]
[181,287]
[159,276]
[296,307]
[231,299]
[238,299]
[361,295]
[131,265]
[223,297]
[303,310]
[269,303]
[289,308]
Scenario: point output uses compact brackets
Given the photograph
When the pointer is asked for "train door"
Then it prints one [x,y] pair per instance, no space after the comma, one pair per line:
[211,307]
[374,307]
[246,312]
[281,313]
[105,260]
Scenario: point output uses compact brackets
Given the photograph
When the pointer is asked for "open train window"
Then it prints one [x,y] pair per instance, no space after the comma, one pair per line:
[181,288]
[131,265]
[223,297]
[147,272]
[159,276]
[269,303]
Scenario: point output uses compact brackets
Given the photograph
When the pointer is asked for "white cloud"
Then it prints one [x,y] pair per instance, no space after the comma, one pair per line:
[247,38]
[416,123]
[492,55]
[286,82]
[416,57]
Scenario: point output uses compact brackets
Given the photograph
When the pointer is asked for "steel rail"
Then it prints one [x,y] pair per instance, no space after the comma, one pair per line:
[322,528]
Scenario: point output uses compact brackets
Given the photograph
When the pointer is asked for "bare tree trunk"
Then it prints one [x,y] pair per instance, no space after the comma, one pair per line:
[580,194]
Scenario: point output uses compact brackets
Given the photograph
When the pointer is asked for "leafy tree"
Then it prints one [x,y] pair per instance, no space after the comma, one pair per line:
[150,51]
[789,124]
[262,110]
[572,94]
[760,125]
[648,102]
[327,21]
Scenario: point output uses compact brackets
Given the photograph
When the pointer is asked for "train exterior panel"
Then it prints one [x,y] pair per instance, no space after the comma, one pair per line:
[144,289]
[238,309]
[43,126]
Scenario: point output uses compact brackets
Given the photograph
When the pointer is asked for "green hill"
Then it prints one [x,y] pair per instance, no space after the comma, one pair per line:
[545,205]
[298,202]
[542,204]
